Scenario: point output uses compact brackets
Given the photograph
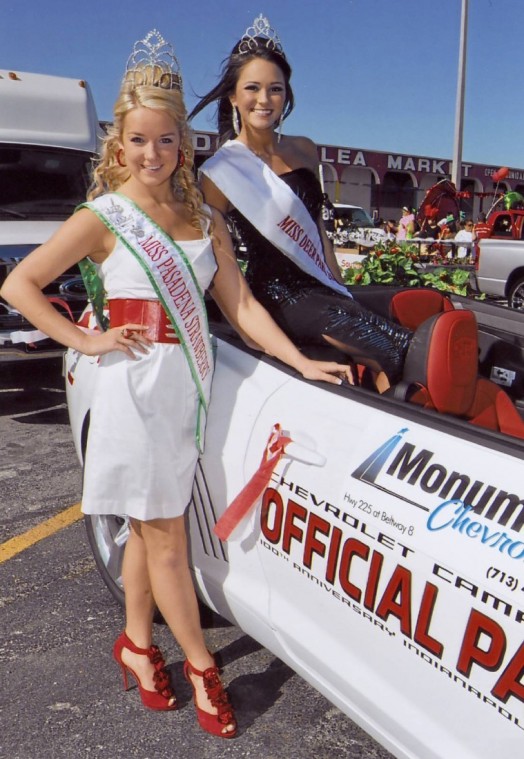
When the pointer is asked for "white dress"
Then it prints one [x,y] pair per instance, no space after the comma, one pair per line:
[141,451]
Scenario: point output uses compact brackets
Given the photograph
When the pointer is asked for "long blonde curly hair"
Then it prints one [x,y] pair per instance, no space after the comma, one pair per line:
[109,175]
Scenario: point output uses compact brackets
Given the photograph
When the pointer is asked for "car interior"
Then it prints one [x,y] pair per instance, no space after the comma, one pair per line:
[466,359]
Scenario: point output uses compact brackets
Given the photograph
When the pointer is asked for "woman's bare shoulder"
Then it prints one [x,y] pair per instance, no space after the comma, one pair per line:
[213,196]
[304,143]
[304,149]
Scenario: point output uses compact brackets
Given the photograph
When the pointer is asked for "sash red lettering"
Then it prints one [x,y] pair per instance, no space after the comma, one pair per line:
[182,299]
[295,232]
[154,249]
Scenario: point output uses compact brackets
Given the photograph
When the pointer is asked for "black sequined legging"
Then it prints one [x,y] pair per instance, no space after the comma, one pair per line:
[307,314]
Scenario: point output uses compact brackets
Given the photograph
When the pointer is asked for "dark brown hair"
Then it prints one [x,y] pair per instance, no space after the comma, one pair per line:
[230,74]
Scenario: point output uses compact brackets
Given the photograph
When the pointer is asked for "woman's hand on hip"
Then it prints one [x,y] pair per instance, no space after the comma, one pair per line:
[128,339]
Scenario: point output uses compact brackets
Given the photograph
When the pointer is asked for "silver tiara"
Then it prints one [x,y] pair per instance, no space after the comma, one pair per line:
[153,62]
[260,30]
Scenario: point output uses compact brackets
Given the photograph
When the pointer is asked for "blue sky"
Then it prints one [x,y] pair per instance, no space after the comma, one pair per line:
[375,74]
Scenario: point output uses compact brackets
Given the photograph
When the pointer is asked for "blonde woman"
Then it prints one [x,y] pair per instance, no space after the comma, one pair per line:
[156,247]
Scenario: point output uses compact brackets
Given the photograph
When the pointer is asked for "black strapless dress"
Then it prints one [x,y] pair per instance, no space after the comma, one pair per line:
[304,308]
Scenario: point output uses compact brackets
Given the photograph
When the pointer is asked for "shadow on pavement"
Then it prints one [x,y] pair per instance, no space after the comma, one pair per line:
[34,389]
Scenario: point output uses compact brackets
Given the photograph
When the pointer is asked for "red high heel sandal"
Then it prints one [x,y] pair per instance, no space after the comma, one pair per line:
[212,723]
[162,698]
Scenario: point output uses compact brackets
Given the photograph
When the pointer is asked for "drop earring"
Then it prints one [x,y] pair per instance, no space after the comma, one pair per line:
[236,122]
[279,127]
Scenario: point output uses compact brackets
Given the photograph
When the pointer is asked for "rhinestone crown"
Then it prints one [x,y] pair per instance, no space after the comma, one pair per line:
[153,61]
[260,30]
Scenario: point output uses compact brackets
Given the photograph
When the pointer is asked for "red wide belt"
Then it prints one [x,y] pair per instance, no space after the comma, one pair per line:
[149,313]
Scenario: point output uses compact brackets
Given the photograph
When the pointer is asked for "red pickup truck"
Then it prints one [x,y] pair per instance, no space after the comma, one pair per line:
[505,224]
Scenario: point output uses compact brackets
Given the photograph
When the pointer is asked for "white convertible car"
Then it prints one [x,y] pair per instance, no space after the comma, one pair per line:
[384,558]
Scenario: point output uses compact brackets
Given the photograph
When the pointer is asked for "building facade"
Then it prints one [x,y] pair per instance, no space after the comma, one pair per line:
[383,182]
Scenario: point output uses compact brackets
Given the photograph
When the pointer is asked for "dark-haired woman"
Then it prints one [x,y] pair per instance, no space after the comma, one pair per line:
[267,184]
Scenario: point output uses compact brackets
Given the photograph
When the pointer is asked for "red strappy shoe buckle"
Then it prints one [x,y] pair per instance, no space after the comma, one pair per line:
[163,697]
[213,723]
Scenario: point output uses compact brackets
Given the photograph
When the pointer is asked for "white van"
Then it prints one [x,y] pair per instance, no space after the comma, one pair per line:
[354,227]
[49,133]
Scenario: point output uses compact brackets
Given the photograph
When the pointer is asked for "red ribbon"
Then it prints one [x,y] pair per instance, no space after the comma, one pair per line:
[251,492]
[63,304]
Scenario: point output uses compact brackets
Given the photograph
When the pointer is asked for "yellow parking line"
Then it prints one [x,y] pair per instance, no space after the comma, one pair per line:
[15,545]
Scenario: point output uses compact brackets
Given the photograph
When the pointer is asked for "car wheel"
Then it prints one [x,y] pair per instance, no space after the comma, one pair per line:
[107,537]
[516,295]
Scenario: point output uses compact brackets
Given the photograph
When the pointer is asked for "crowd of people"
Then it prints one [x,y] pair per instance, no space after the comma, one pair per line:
[445,233]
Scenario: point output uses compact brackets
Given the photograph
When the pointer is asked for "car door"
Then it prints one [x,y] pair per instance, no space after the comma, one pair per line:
[384,591]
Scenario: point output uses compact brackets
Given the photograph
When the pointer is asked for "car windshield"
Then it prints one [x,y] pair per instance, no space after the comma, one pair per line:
[353,216]
[41,183]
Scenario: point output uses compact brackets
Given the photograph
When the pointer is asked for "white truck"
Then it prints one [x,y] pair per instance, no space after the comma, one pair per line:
[499,267]
[49,133]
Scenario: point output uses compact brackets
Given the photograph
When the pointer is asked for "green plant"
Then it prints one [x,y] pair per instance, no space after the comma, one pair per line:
[449,280]
[401,265]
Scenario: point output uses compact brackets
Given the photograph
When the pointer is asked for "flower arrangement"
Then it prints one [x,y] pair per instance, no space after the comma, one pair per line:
[403,265]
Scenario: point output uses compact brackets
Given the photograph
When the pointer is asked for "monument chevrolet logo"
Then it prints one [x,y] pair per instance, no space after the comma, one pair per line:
[399,461]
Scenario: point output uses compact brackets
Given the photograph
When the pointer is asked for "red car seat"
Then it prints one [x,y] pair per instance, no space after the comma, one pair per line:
[441,367]
[412,307]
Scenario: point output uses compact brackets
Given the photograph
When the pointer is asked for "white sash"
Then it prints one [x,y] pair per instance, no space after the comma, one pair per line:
[272,207]
[175,284]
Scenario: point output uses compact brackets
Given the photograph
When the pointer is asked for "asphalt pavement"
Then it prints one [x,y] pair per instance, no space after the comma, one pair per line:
[61,694]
